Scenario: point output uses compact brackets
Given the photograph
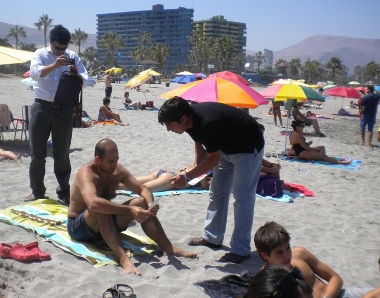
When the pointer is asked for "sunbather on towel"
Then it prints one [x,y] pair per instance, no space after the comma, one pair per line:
[93,216]
[160,180]
[9,155]
[303,149]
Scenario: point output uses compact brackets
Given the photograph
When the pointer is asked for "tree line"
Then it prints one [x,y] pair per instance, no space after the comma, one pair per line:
[205,50]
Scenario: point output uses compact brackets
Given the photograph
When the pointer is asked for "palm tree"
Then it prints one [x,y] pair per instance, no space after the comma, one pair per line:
[90,54]
[239,61]
[46,23]
[372,69]
[4,43]
[141,53]
[294,67]
[28,46]
[259,59]
[78,37]
[16,32]
[335,64]
[281,67]
[311,70]
[224,49]
[112,42]
[159,53]
[201,52]
[145,39]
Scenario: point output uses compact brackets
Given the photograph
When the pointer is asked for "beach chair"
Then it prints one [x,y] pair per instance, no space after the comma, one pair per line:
[8,124]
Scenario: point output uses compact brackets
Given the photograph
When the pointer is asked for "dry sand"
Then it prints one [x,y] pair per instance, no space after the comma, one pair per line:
[340,225]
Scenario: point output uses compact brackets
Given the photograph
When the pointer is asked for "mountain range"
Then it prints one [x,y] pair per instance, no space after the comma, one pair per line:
[352,51]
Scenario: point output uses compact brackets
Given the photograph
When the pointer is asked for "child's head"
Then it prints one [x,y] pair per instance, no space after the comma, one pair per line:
[272,236]
[126,94]
[106,100]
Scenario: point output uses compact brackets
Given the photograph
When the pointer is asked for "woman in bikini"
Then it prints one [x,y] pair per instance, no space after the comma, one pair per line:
[302,148]
[160,180]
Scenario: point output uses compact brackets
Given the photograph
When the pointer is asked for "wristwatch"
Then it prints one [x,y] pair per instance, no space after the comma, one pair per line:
[187,179]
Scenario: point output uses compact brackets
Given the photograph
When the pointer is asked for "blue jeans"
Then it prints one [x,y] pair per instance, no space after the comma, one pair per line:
[237,173]
[58,121]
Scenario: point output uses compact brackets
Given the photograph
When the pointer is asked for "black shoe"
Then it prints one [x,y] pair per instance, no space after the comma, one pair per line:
[64,198]
[201,241]
[233,258]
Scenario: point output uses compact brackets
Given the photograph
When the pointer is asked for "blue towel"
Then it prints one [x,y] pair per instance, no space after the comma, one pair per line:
[174,192]
[355,164]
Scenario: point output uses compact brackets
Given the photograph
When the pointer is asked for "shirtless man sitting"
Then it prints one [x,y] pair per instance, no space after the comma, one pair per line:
[297,115]
[93,216]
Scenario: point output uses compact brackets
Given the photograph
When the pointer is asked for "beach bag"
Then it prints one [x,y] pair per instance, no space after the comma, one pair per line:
[69,88]
[149,104]
[269,186]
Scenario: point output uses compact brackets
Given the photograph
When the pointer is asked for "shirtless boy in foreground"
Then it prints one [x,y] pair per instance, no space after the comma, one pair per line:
[93,216]
[273,245]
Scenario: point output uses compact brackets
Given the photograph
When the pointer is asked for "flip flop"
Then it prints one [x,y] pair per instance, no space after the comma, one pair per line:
[274,154]
[33,248]
[17,252]
[124,291]
[110,293]
[267,154]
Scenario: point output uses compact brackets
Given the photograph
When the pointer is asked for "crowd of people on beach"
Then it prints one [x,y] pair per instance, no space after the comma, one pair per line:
[229,152]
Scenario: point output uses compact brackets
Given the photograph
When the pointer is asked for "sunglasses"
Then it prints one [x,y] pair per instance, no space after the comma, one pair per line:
[287,283]
[59,48]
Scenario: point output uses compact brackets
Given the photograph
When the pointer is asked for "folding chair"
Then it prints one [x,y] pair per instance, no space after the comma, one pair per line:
[8,123]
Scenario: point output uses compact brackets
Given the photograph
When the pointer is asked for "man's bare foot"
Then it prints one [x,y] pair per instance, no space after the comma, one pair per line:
[180,253]
[129,268]
[368,145]
[361,143]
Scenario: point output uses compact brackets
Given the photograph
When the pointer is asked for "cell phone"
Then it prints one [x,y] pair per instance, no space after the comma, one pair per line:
[155,202]
[71,61]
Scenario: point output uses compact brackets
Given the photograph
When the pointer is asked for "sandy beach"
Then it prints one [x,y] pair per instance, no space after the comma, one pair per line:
[340,224]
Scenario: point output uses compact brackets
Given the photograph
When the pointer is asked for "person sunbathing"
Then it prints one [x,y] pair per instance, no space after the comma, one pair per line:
[160,180]
[128,104]
[297,115]
[302,149]
[310,114]
[9,155]
[106,114]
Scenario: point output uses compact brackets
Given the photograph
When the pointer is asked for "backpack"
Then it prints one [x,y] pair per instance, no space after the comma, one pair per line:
[269,186]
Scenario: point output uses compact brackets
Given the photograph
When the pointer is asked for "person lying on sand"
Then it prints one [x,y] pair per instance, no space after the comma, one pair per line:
[310,114]
[302,149]
[272,242]
[9,155]
[93,216]
[161,180]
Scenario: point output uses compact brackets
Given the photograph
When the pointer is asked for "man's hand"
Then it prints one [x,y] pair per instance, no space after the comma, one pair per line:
[139,214]
[178,181]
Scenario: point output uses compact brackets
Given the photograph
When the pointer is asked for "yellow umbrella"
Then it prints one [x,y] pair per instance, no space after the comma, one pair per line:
[151,72]
[13,56]
[137,80]
[289,81]
[353,83]
[184,73]
[315,86]
[115,70]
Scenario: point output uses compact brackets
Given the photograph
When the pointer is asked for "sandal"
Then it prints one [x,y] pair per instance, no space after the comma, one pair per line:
[33,248]
[17,252]
[124,291]
[111,293]
[201,241]
[233,258]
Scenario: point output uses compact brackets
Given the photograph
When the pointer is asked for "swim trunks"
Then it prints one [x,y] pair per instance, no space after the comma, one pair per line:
[298,149]
[78,229]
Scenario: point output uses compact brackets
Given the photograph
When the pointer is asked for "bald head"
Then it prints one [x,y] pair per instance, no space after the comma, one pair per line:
[103,146]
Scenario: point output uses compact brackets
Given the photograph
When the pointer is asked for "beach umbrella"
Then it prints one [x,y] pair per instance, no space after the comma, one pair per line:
[353,83]
[343,91]
[293,91]
[184,79]
[200,75]
[115,70]
[26,74]
[13,56]
[184,73]
[151,71]
[220,90]
[230,76]
[377,88]
[137,80]
[289,81]
[363,89]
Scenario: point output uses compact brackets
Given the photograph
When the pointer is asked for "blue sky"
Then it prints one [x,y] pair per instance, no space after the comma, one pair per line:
[273,25]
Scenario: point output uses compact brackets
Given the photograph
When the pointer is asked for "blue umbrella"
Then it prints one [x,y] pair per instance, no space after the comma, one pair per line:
[377,88]
[184,79]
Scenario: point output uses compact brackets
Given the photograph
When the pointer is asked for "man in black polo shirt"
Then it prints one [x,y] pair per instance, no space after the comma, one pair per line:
[230,142]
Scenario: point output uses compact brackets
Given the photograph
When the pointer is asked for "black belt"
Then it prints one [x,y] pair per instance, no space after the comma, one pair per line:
[50,103]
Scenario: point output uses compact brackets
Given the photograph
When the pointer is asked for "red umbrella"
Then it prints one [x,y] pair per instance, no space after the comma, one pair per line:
[227,75]
[26,74]
[343,91]
[363,89]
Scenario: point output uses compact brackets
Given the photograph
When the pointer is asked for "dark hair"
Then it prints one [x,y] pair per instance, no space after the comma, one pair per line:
[370,88]
[270,236]
[101,147]
[173,109]
[296,123]
[60,34]
[265,282]
[125,93]
[106,100]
